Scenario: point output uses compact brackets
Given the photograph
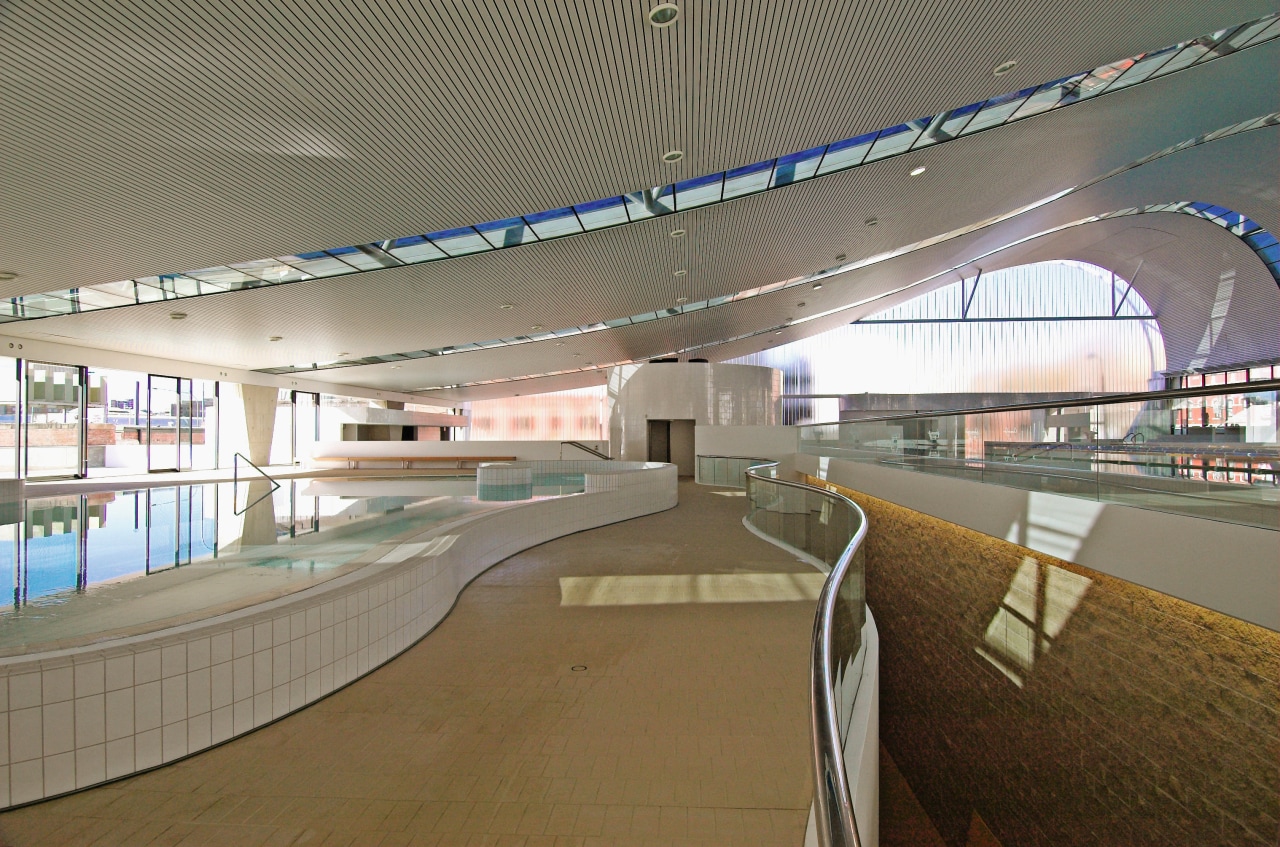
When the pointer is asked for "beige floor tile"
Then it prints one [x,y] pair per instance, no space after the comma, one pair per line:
[689,725]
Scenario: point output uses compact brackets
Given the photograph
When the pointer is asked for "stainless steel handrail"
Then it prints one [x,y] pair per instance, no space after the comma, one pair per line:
[1089,400]
[833,803]
[593,451]
[235,482]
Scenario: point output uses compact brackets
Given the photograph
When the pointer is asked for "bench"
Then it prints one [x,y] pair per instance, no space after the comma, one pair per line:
[353,462]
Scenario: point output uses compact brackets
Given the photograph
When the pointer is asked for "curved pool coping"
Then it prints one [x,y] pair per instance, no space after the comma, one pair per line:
[77,717]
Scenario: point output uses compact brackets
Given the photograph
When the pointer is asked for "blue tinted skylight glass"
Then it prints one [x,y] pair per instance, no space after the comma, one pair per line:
[554,224]
[896,139]
[598,214]
[651,203]
[747,180]
[700,191]
[796,166]
[997,110]
[1144,67]
[846,153]
[323,266]
[507,232]
[954,122]
[459,242]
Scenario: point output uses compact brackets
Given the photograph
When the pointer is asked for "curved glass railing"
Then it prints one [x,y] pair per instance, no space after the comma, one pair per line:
[1207,452]
[652,202]
[830,528]
[728,471]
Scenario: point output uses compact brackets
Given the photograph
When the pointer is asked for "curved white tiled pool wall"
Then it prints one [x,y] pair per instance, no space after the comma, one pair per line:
[73,718]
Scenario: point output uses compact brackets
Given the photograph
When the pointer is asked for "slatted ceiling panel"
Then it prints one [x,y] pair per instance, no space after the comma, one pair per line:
[823,216]
[186,134]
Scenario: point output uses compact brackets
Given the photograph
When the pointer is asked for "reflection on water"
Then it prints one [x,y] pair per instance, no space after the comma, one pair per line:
[203,546]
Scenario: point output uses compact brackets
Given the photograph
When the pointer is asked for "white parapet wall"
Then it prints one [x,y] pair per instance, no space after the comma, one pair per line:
[81,716]
[369,451]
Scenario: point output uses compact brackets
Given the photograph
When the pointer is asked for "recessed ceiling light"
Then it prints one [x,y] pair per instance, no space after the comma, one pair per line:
[677,233]
[840,257]
[1004,67]
[681,272]
[682,299]
[506,306]
[276,338]
[800,305]
[577,355]
[177,316]
[779,332]
[672,156]
[7,276]
[559,343]
[588,363]
[664,14]
[872,221]
[395,367]
[536,327]
[916,171]
[817,286]
[343,353]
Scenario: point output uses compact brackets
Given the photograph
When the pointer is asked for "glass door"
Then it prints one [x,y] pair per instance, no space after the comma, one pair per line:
[54,420]
[169,404]
[306,425]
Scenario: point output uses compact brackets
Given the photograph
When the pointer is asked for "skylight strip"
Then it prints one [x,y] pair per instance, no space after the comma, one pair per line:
[662,200]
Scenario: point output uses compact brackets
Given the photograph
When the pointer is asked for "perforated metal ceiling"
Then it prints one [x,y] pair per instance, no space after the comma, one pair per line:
[141,138]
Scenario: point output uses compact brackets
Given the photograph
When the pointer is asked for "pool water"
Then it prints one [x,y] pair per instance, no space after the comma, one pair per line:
[81,568]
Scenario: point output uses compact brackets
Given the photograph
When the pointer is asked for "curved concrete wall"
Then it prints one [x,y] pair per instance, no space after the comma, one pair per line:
[707,394]
[73,718]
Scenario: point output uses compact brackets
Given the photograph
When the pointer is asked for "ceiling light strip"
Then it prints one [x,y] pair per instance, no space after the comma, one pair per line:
[654,202]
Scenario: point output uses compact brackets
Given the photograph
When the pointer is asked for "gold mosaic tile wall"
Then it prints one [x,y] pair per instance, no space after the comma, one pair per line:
[1062,706]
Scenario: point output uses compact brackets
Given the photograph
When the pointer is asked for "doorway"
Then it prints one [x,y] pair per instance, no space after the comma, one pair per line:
[672,441]
[54,420]
[168,423]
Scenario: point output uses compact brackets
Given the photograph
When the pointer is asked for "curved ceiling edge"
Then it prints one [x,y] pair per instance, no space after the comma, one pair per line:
[1238,224]
[1262,242]
[649,203]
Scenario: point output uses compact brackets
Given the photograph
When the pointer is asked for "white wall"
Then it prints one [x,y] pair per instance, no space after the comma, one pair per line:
[755,442]
[1227,567]
[707,394]
[522,450]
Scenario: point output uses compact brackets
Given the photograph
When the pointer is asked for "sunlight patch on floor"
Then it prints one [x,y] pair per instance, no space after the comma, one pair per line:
[689,588]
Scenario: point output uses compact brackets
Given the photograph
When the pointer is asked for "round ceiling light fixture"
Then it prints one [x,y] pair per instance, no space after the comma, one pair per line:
[840,257]
[1004,67]
[682,299]
[672,156]
[916,171]
[536,327]
[395,367]
[343,353]
[681,272]
[177,316]
[871,221]
[506,307]
[817,286]
[7,276]
[677,233]
[800,305]
[779,332]
[664,14]
[276,338]
[559,343]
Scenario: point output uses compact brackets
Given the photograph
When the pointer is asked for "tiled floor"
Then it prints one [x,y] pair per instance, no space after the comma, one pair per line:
[688,725]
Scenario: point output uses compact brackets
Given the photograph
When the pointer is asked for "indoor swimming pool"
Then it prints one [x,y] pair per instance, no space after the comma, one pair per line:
[80,568]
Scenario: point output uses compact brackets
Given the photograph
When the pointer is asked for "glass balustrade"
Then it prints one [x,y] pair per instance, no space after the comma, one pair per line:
[1209,452]
[828,528]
